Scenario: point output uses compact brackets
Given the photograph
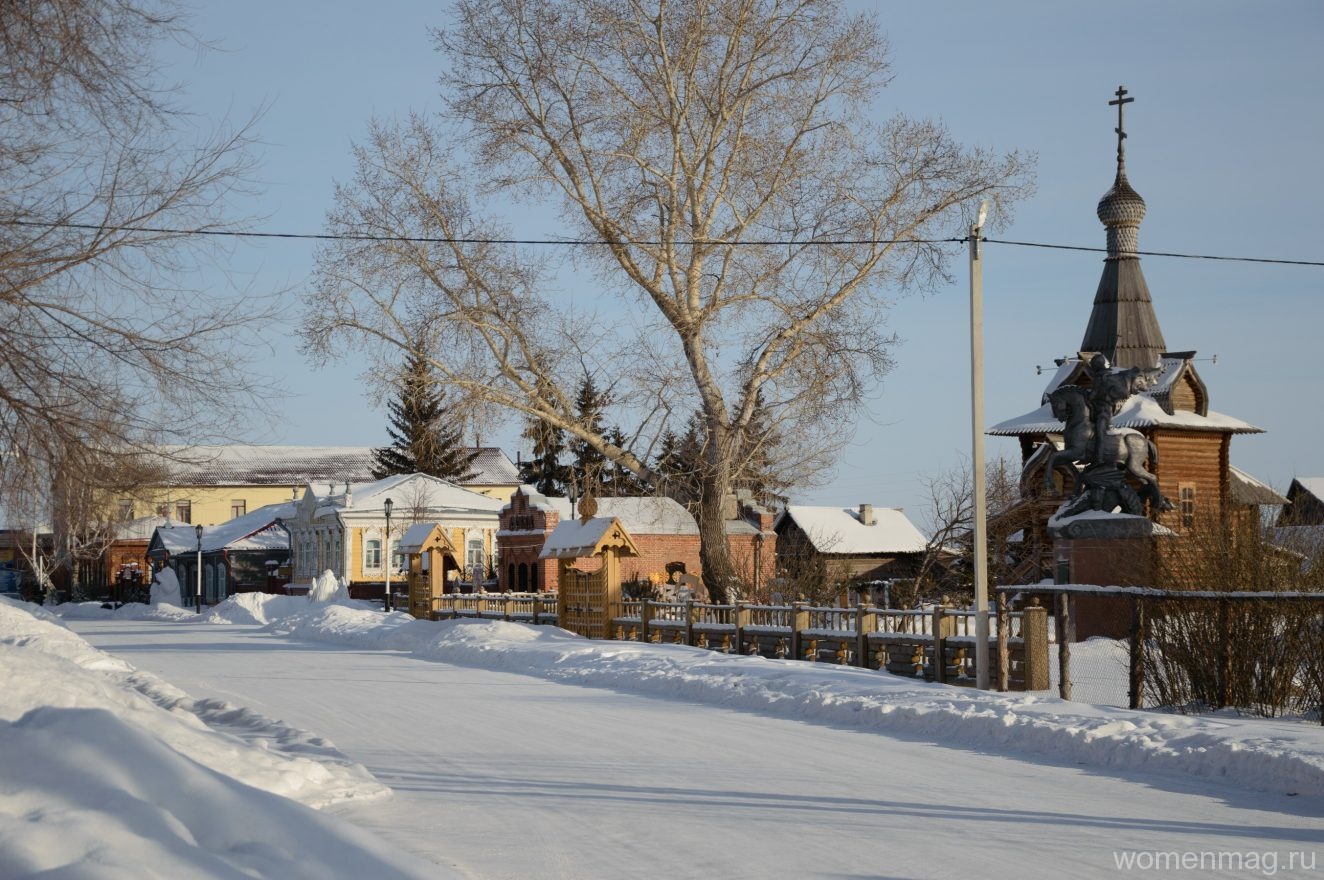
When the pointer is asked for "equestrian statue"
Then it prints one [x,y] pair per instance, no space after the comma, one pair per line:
[1107,455]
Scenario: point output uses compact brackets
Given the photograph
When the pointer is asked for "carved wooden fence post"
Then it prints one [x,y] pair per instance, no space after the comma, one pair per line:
[1137,688]
[741,618]
[799,623]
[1034,637]
[866,621]
[689,622]
[1004,642]
[1065,633]
[939,656]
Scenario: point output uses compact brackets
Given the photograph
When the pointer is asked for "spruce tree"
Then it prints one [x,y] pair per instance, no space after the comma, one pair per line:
[680,462]
[544,470]
[616,480]
[421,439]
[587,463]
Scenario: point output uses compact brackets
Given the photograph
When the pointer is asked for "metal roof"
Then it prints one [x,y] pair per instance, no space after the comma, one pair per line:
[256,465]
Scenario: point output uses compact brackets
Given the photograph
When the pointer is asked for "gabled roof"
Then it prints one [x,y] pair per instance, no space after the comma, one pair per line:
[1245,489]
[255,530]
[642,515]
[573,539]
[839,531]
[1312,485]
[424,536]
[407,493]
[257,465]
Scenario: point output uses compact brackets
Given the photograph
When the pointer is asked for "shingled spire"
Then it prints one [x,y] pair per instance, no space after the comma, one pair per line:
[1122,324]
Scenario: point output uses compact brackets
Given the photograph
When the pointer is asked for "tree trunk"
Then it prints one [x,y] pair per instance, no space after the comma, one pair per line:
[719,572]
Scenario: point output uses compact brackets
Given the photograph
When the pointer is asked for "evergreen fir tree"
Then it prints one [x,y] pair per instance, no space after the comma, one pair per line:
[755,467]
[421,439]
[544,470]
[586,463]
[680,462]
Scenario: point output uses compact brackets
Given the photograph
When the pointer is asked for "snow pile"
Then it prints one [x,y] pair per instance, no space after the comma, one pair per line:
[127,611]
[85,792]
[165,588]
[1258,754]
[327,588]
[255,608]
[111,772]
[47,665]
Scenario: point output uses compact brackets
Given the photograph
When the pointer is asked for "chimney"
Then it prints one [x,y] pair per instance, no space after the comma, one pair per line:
[866,514]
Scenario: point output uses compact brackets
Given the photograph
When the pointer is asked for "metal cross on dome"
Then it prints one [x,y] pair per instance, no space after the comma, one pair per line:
[1120,103]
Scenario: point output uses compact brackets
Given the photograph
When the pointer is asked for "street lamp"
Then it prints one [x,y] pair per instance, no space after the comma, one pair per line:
[977,452]
[198,531]
[386,603]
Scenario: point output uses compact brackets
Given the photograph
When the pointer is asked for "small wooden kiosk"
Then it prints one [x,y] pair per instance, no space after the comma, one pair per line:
[588,600]
[426,582]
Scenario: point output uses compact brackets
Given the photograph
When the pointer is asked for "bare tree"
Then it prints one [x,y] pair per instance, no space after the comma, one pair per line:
[103,349]
[717,157]
[946,566]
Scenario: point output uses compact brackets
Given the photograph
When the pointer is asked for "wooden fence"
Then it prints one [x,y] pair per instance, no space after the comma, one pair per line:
[936,645]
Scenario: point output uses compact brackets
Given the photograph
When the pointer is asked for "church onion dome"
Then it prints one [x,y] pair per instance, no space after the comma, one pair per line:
[1121,205]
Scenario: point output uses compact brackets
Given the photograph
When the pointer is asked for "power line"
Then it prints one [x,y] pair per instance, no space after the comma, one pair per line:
[581,242]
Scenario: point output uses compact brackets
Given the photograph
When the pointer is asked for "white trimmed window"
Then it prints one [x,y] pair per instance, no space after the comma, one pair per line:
[372,553]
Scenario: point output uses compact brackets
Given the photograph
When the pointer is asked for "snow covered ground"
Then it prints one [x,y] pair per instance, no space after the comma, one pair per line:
[516,751]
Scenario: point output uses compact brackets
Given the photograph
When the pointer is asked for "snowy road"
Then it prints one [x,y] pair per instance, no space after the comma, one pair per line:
[503,775]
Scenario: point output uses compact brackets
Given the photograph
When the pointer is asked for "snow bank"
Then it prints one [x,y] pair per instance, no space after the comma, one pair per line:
[165,588]
[255,608]
[1259,754]
[45,664]
[85,793]
[110,772]
[127,611]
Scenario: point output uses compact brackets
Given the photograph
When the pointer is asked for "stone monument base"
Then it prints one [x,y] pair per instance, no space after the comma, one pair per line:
[1105,550]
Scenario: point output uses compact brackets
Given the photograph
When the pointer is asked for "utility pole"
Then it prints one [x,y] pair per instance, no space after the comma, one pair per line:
[980,536]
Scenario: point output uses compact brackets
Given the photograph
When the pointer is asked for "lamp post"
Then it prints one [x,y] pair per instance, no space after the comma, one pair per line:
[977,452]
[387,552]
[197,530]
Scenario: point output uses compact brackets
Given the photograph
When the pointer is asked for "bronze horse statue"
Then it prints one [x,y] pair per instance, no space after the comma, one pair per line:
[1121,452]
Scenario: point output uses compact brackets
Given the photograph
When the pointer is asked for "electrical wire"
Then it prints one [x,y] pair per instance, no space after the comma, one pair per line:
[327,236]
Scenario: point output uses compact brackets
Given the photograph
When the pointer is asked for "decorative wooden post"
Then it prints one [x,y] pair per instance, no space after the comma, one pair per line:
[1004,642]
[740,617]
[1066,631]
[940,624]
[799,623]
[1137,688]
[1034,636]
[866,621]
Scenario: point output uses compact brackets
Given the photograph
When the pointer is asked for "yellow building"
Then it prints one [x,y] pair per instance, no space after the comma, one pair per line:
[348,534]
[210,485]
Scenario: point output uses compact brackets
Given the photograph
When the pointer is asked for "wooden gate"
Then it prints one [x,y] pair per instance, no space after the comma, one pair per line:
[586,603]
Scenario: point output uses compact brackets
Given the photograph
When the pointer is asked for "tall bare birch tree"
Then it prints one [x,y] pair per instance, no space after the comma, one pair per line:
[717,155]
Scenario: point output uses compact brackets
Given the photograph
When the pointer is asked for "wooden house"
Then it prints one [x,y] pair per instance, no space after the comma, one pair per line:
[855,545]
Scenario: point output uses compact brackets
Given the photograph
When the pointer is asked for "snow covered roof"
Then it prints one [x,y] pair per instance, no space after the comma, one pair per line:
[407,492]
[1141,411]
[140,529]
[642,515]
[255,530]
[1245,489]
[573,538]
[839,530]
[255,465]
[417,536]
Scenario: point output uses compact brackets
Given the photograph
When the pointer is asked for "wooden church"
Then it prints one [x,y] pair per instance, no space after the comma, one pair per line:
[1193,441]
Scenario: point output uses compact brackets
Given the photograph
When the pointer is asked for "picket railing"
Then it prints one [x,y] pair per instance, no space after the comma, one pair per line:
[937,644]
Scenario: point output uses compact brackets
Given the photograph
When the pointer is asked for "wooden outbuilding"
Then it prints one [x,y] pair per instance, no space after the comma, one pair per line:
[588,600]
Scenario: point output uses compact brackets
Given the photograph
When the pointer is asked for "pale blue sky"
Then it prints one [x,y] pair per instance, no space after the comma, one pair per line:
[1225,141]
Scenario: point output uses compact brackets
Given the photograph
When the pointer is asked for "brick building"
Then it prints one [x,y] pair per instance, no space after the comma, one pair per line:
[666,534]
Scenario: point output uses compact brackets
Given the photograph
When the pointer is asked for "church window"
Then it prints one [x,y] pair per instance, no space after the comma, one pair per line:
[1187,505]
